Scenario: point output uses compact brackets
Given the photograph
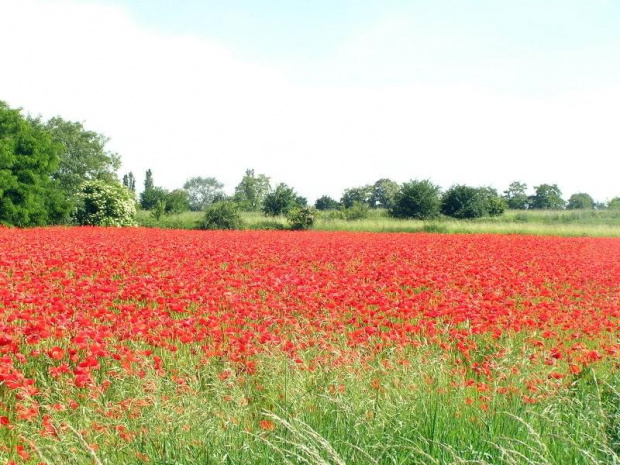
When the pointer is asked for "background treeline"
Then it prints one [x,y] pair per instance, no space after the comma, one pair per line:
[58,172]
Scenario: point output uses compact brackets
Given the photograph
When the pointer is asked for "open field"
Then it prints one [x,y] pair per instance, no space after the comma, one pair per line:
[604,223]
[190,347]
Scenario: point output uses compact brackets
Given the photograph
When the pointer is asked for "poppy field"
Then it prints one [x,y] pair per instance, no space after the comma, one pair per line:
[171,347]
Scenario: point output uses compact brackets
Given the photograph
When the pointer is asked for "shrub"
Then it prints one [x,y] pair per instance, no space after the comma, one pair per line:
[151,196]
[222,215]
[326,203]
[102,203]
[158,210]
[466,202]
[177,201]
[547,197]
[301,218]
[280,201]
[417,199]
[357,211]
[580,201]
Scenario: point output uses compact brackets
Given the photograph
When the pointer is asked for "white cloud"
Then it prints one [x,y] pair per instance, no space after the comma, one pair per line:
[186,106]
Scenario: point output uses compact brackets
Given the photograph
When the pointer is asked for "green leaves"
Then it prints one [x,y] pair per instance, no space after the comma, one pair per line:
[28,157]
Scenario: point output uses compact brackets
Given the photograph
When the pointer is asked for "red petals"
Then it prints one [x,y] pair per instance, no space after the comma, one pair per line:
[93,305]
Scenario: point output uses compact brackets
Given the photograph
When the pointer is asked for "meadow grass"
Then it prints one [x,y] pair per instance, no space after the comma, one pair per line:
[394,408]
[604,223]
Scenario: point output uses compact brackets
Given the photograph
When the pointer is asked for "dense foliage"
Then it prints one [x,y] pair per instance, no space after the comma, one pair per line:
[203,192]
[466,202]
[417,199]
[301,217]
[222,215]
[580,201]
[280,201]
[83,156]
[101,203]
[28,158]
[547,197]
[252,190]
[325,202]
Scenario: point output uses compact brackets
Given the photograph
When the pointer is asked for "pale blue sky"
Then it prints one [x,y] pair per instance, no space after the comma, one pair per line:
[329,94]
[518,45]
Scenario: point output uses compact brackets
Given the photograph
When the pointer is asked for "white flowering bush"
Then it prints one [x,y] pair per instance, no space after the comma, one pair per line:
[103,203]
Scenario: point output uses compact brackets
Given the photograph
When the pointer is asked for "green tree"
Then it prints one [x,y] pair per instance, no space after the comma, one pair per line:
[466,202]
[614,204]
[148,180]
[356,194]
[203,191]
[177,201]
[83,155]
[280,201]
[547,197]
[357,211]
[222,215]
[28,157]
[301,201]
[129,181]
[516,196]
[251,191]
[384,193]
[580,201]
[104,203]
[301,217]
[417,199]
[325,202]
[152,195]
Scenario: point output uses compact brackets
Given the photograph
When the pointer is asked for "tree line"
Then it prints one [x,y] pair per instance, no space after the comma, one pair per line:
[415,199]
[58,172]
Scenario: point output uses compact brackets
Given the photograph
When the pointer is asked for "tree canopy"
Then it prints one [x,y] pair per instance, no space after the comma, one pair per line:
[83,155]
[251,191]
[280,201]
[516,196]
[416,199]
[352,195]
[580,201]
[28,157]
[325,202]
[466,202]
[384,193]
[203,192]
[547,197]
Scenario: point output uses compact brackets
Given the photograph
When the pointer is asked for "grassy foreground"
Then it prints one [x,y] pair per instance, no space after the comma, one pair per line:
[604,223]
[398,409]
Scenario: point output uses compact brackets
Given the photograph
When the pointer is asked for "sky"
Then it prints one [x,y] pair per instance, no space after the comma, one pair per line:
[329,94]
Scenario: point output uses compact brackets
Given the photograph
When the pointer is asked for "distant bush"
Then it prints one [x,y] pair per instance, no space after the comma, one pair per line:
[151,196]
[416,199]
[280,201]
[103,203]
[466,202]
[357,211]
[580,201]
[222,215]
[301,218]
[547,197]
[177,202]
[325,202]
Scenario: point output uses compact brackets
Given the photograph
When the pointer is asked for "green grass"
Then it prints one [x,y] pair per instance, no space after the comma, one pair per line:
[366,412]
[605,223]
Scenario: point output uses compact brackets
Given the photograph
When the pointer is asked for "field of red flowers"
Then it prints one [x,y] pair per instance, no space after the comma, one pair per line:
[99,328]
